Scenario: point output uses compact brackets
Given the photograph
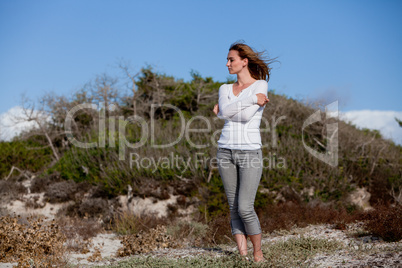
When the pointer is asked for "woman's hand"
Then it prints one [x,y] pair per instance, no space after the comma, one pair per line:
[262,99]
[216,109]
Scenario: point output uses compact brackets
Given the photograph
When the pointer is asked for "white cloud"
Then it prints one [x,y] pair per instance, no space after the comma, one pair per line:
[384,121]
[9,125]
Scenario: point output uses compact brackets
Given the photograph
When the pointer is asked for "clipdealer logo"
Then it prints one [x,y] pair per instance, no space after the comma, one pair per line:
[149,131]
[331,153]
[330,156]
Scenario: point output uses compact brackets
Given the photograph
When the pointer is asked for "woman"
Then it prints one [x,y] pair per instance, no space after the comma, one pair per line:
[239,154]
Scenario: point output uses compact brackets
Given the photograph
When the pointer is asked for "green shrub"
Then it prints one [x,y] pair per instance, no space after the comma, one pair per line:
[25,155]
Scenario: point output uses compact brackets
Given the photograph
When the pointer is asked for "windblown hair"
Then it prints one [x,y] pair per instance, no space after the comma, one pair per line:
[258,63]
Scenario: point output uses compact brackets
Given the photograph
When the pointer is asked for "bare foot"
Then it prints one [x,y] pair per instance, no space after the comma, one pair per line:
[259,257]
[244,257]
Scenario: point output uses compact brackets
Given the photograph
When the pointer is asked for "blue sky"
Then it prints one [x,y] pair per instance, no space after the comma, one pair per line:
[337,50]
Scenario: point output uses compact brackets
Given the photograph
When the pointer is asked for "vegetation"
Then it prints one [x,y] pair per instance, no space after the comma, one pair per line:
[162,104]
[29,155]
[385,222]
[31,244]
[125,153]
[165,108]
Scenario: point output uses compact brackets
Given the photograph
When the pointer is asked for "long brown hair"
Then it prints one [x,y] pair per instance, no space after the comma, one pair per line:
[258,63]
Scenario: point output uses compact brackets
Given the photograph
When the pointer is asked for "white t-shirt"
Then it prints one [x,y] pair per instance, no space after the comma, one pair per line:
[243,116]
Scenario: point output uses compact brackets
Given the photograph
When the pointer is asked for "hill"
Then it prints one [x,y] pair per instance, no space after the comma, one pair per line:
[164,132]
[142,153]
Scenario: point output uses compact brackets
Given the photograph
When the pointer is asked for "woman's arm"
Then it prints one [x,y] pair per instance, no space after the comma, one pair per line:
[260,93]
[246,114]
[227,109]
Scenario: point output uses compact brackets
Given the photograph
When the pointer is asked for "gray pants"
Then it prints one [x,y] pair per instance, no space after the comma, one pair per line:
[241,172]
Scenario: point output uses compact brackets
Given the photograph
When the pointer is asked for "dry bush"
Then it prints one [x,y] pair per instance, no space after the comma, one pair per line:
[99,192]
[370,161]
[151,188]
[287,215]
[78,233]
[219,231]
[365,159]
[92,208]
[282,216]
[185,187]
[146,241]
[11,188]
[53,185]
[126,223]
[188,233]
[85,228]
[32,244]
[61,191]
[384,221]
[129,223]
[41,184]
[192,233]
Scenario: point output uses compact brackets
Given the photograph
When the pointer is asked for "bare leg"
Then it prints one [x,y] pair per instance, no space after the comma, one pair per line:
[256,240]
[241,241]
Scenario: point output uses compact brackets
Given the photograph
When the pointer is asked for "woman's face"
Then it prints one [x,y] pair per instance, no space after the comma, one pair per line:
[235,64]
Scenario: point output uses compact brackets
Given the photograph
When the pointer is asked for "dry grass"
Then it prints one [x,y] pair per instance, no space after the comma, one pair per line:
[146,241]
[385,222]
[84,228]
[295,252]
[189,233]
[288,215]
[90,208]
[61,191]
[183,233]
[10,190]
[35,243]
[281,217]
[219,231]
[40,184]
[127,223]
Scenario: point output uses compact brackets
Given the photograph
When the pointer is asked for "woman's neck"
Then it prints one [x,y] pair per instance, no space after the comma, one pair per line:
[244,78]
